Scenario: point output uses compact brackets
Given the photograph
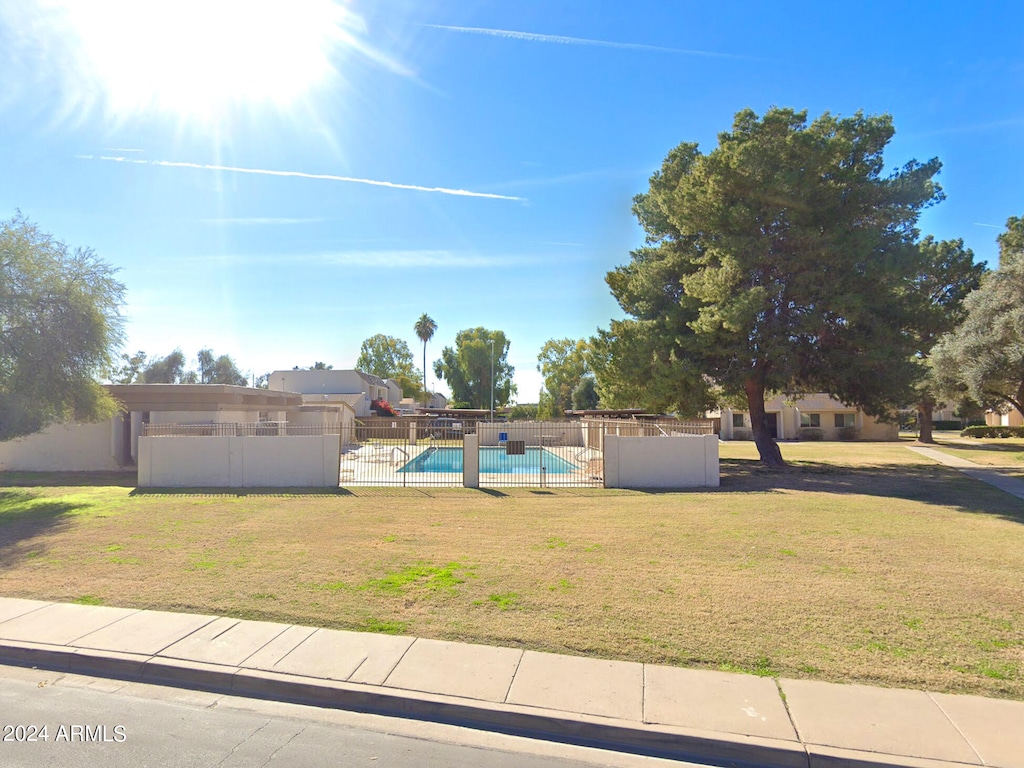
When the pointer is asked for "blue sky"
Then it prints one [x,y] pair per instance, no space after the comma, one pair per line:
[280,181]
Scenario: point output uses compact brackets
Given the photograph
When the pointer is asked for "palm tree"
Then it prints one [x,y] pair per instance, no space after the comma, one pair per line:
[425,328]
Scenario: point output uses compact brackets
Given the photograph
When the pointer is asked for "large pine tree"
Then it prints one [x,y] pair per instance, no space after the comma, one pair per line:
[779,261]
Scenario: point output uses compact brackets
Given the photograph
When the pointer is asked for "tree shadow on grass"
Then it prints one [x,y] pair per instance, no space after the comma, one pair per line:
[69,479]
[23,517]
[926,483]
[237,492]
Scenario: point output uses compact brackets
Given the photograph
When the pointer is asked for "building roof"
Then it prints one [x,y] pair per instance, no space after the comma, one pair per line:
[201,397]
[370,378]
[619,413]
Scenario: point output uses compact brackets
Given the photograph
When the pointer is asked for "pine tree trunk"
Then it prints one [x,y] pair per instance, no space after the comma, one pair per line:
[924,423]
[767,448]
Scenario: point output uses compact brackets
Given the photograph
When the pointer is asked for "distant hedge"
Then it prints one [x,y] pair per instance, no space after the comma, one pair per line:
[948,424]
[848,433]
[993,432]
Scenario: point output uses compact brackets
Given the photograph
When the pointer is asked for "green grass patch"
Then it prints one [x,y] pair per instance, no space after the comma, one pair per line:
[383,627]
[444,578]
[88,600]
[505,600]
[124,560]
[762,667]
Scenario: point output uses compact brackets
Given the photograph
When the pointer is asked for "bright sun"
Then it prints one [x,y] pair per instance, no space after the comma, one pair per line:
[197,59]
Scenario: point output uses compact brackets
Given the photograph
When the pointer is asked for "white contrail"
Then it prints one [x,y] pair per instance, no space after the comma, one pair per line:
[301,175]
[564,40]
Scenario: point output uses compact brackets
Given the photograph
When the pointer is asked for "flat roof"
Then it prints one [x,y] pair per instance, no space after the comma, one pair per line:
[201,397]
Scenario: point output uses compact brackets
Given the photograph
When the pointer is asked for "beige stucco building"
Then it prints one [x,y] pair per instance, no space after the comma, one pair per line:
[114,444]
[818,412]
[355,388]
[1011,418]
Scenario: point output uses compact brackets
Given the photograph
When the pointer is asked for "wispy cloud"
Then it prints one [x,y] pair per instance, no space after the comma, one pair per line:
[395,258]
[533,37]
[121,149]
[992,125]
[301,175]
[989,226]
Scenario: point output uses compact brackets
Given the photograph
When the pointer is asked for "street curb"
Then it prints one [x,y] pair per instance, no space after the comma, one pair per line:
[731,750]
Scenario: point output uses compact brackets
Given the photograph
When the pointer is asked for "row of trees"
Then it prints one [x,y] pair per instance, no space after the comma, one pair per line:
[210,369]
[477,362]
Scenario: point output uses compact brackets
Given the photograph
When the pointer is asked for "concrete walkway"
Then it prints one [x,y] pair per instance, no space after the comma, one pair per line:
[991,475]
[695,715]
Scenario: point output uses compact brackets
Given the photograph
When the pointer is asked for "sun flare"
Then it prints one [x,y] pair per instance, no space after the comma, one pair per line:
[196,59]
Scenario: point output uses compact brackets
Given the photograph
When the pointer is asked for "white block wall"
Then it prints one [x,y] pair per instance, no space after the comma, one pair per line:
[683,461]
[63,448]
[294,461]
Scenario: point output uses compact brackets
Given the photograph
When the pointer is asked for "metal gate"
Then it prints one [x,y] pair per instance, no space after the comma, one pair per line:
[538,454]
[410,452]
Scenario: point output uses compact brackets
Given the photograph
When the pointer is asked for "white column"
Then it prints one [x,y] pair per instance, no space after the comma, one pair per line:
[470,461]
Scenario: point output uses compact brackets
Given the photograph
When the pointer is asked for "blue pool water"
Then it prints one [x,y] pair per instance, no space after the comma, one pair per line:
[492,461]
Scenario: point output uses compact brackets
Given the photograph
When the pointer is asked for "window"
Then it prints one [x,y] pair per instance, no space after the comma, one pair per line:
[845,420]
[810,419]
[737,419]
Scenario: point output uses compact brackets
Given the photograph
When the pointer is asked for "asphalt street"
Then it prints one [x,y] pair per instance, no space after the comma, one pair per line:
[52,719]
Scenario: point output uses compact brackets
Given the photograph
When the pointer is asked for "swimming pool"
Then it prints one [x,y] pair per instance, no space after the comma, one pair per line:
[492,461]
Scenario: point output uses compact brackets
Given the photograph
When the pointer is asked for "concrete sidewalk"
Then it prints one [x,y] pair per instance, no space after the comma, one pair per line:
[695,715]
[991,475]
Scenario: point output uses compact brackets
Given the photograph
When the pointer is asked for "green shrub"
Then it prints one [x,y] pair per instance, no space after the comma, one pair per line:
[993,432]
[848,433]
[810,433]
[742,434]
[948,424]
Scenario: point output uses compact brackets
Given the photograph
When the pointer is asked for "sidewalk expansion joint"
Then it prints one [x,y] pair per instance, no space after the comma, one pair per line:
[391,671]
[97,629]
[957,728]
[513,678]
[228,629]
[290,652]
[187,634]
[242,662]
[792,720]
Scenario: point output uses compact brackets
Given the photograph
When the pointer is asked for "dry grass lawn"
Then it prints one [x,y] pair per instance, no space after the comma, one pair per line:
[862,562]
[1006,454]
